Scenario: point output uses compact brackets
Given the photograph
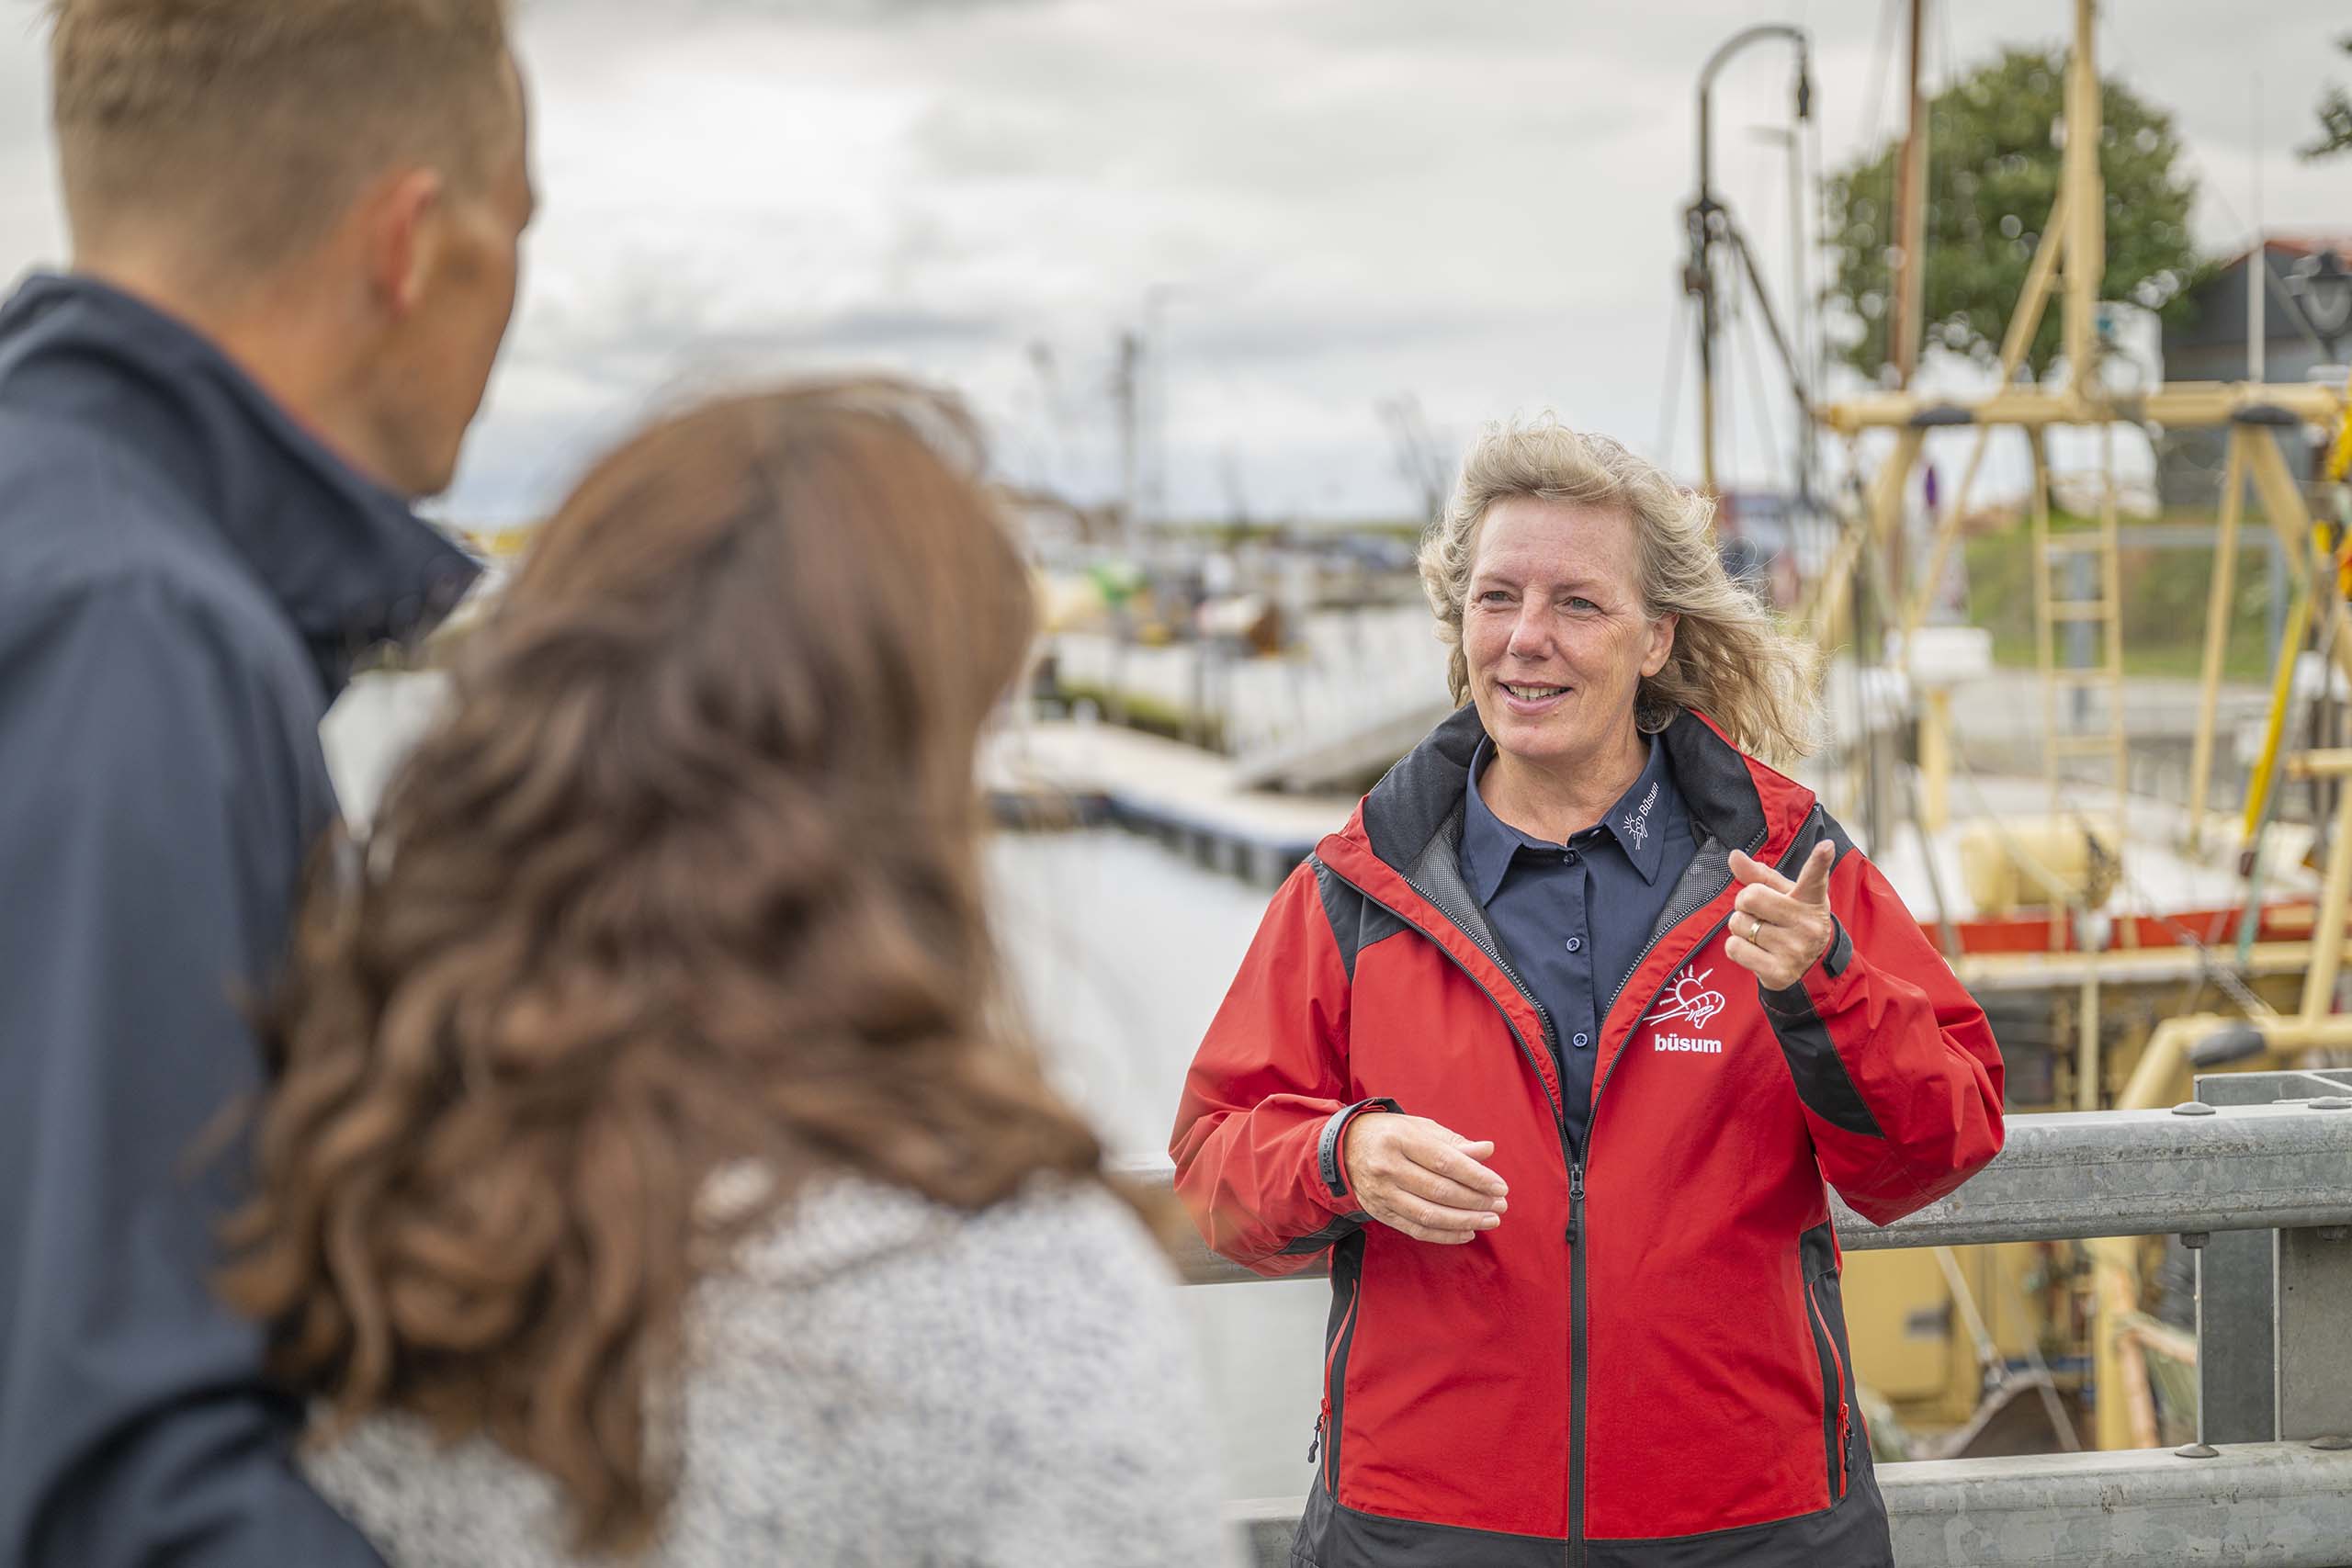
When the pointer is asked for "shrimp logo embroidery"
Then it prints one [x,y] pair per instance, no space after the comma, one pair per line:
[1688,997]
[1636,822]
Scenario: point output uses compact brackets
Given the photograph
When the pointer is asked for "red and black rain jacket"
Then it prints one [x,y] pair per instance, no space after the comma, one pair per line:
[1645,1365]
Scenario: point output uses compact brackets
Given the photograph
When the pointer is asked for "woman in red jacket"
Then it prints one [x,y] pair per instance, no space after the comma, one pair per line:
[1551,1052]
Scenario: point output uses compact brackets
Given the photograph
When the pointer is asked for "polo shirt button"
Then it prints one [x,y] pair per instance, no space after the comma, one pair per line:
[1576,945]
[1582,1040]
[1568,857]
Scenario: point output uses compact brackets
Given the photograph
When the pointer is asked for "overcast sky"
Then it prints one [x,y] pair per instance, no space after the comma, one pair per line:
[1317,205]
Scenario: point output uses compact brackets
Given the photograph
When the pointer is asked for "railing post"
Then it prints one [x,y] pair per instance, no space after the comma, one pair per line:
[2314,1350]
[2242,1363]
[2236,1393]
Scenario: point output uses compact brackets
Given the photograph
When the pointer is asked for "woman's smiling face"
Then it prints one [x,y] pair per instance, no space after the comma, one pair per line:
[1554,631]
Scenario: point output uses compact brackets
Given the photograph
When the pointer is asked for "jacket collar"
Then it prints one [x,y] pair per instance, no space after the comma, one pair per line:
[1421,797]
[347,560]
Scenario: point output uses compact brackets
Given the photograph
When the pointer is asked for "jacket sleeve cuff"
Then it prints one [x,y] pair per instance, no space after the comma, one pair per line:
[1328,1166]
[1793,1000]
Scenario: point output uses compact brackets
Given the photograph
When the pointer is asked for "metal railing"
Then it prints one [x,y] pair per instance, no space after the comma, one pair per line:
[2255,1176]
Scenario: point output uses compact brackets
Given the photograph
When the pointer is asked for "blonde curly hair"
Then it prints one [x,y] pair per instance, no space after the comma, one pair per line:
[1732,659]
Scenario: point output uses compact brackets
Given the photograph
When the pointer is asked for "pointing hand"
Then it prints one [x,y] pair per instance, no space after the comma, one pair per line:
[1779,929]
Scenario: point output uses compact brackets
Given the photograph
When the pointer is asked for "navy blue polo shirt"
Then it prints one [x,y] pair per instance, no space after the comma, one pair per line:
[1574,917]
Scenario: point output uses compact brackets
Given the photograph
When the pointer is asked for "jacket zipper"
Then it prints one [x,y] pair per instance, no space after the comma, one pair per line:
[1326,1440]
[1839,1423]
[1576,1329]
[1674,917]
[1329,1440]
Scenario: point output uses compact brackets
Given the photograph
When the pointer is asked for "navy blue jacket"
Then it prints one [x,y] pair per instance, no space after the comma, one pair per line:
[185,577]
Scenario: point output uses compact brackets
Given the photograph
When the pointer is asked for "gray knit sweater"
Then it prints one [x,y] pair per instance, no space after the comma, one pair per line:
[883,1382]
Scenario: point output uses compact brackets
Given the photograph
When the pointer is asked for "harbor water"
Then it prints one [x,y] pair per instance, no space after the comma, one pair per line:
[1120,950]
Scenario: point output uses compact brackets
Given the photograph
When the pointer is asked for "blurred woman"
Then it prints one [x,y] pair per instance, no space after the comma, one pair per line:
[651,1172]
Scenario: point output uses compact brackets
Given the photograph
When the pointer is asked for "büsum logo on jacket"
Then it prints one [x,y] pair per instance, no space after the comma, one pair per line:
[1687,996]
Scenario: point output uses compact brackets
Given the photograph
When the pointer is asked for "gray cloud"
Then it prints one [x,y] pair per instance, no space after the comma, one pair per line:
[1318,204]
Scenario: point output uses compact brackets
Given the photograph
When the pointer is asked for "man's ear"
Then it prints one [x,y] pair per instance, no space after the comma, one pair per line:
[404,237]
[1661,643]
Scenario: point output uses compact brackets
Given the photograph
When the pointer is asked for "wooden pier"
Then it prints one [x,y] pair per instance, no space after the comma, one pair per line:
[1059,773]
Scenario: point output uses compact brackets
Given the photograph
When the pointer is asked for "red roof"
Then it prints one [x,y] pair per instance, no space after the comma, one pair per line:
[2298,245]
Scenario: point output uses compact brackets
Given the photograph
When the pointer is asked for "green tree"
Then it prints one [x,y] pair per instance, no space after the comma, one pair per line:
[1993,164]
[2335,118]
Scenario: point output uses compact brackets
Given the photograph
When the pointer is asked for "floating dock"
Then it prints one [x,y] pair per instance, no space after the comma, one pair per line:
[1061,773]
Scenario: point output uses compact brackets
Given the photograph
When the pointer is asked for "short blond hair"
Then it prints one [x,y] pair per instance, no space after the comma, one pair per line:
[249,126]
[1732,659]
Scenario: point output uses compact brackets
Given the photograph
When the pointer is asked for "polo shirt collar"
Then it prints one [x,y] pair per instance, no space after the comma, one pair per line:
[1639,818]
[1637,821]
[1488,843]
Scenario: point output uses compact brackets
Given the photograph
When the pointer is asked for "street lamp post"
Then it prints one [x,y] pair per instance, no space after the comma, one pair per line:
[1708,224]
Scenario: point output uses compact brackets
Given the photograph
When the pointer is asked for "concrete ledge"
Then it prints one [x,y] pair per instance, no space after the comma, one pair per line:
[2256,1505]
[1264,1526]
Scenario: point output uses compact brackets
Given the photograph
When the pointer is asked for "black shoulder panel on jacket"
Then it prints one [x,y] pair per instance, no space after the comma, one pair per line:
[1831,828]
[1356,921]
[1714,781]
[1822,1081]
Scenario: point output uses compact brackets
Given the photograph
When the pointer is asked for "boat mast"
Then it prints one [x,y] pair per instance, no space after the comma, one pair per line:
[1911,207]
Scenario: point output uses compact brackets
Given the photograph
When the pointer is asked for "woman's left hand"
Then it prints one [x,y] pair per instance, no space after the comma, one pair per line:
[1779,929]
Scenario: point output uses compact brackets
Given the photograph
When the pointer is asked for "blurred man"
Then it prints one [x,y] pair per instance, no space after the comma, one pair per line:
[295,228]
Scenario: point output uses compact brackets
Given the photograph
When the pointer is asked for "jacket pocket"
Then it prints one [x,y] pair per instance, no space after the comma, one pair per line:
[1826,1317]
[1347,1292]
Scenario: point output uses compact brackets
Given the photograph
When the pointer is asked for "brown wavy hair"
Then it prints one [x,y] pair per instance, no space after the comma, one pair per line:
[686,880]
